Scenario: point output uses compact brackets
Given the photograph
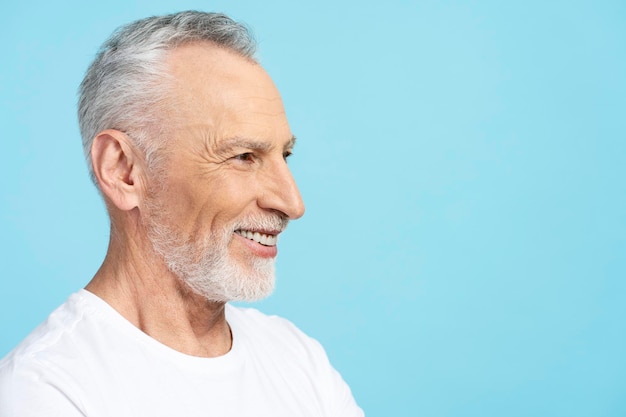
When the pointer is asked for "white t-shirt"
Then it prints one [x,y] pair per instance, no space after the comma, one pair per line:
[87,360]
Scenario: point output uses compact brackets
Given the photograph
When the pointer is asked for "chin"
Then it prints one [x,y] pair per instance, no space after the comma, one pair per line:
[232,282]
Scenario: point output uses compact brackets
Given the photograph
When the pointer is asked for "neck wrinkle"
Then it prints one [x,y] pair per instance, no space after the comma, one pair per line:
[135,282]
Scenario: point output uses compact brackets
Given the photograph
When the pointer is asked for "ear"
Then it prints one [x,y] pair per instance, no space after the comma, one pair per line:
[117,167]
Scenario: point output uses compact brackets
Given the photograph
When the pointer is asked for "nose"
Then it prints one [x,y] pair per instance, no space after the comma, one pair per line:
[280,192]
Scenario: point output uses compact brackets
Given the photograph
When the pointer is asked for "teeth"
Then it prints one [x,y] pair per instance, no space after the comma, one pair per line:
[263,239]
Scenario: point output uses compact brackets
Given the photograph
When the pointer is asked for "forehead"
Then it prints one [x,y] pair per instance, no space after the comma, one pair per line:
[219,89]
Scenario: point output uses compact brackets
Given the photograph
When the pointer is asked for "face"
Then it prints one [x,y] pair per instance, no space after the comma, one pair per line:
[227,192]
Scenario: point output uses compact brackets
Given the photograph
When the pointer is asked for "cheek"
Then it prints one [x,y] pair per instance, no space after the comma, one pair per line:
[211,202]
[181,205]
[232,193]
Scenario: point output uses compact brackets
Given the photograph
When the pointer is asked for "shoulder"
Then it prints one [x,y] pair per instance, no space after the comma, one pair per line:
[38,366]
[59,325]
[278,343]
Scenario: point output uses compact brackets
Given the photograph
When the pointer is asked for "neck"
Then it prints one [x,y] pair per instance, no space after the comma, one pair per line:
[136,283]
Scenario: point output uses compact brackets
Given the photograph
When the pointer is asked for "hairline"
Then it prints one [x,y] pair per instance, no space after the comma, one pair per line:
[130,72]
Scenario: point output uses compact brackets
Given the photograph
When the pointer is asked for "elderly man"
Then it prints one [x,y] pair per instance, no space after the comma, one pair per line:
[187,141]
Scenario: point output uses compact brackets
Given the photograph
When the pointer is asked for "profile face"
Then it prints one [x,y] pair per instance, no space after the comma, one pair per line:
[227,191]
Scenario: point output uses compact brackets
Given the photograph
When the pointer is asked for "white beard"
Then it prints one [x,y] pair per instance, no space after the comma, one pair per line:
[206,266]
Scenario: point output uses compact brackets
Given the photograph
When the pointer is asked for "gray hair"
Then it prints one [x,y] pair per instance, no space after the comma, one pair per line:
[126,88]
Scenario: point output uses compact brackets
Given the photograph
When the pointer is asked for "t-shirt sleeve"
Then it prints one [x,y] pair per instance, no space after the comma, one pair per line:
[338,398]
[344,404]
[25,393]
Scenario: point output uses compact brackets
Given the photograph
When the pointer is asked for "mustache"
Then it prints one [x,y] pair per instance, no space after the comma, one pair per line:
[270,223]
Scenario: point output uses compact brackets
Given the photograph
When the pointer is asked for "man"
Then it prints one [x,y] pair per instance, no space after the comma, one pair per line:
[187,141]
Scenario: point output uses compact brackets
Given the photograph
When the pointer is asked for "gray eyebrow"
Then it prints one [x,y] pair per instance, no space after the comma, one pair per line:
[253,144]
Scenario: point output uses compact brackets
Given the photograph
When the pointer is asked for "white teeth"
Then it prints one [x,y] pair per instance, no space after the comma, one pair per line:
[263,239]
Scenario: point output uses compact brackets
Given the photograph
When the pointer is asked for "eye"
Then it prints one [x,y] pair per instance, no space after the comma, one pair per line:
[245,157]
[286,155]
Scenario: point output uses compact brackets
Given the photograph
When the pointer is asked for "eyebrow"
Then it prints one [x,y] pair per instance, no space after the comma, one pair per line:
[257,145]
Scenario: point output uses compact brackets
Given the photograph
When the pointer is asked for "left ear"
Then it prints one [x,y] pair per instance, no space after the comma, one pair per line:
[118,168]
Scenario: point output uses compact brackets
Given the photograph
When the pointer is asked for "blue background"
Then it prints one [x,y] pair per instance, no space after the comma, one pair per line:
[464,169]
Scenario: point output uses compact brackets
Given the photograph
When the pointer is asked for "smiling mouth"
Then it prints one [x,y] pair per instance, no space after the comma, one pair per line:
[262,238]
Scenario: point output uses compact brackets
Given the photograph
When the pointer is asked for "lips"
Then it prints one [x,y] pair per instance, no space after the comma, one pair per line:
[258,237]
